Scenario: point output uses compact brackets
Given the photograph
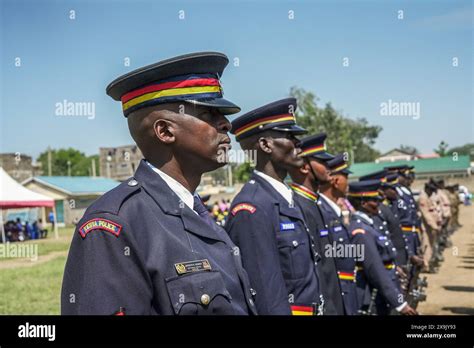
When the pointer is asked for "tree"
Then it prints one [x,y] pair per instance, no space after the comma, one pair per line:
[344,134]
[442,149]
[467,149]
[242,172]
[79,163]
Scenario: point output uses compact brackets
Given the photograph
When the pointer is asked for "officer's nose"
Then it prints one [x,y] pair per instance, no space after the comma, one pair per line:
[223,124]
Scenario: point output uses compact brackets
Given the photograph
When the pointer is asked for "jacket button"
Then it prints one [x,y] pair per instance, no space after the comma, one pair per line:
[295,243]
[205,299]
[132,182]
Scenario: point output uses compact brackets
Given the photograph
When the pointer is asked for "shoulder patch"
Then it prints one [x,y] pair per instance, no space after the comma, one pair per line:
[100,224]
[357,231]
[243,206]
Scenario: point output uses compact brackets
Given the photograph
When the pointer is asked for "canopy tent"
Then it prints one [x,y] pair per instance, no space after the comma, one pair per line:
[14,195]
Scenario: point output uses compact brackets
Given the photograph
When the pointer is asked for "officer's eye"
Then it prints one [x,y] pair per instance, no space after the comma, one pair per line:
[205,116]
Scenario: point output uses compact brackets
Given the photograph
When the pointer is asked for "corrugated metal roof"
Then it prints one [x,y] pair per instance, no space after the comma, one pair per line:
[429,165]
[78,184]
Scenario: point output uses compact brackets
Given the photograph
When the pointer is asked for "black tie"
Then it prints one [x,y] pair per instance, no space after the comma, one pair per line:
[202,210]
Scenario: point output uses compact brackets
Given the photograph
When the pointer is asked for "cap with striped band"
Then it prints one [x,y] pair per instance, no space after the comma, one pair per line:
[338,165]
[191,78]
[172,90]
[367,189]
[278,116]
[314,146]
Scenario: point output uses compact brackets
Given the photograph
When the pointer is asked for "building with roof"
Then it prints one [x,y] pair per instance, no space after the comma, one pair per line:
[120,162]
[19,166]
[72,194]
[396,154]
[441,167]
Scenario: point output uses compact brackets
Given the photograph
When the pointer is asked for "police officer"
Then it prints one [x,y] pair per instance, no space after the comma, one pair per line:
[432,222]
[330,193]
[387,219]
[377,268]
[277,249]
[306,181]
[408,210]
[148,246]
[445,209]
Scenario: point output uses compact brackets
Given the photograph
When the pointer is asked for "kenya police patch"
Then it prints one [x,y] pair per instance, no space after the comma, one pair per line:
[243,206]
[100,224]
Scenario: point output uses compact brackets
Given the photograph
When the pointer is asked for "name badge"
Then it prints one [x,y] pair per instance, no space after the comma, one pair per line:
[323,233]
[192,266]
[338,228]
[382,237]
[287,226]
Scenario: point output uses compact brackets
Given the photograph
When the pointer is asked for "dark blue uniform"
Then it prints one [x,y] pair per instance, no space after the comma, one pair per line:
[409,219]
[139,250]
[340,236]
[377,270]
[330,287]
[277,250]
[389,213]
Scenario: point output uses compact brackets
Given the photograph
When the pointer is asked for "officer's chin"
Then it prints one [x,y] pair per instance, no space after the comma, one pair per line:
[222,154]
[296,162]
[217,161]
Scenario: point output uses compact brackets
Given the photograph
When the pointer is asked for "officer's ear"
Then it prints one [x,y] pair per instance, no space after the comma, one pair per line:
[164,131]
[304,169]
[266,144]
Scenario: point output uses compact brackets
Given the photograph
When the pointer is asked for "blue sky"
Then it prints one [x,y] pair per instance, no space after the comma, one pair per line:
[408,60]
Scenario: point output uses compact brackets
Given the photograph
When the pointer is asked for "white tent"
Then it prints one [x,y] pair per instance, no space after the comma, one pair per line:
[14,195]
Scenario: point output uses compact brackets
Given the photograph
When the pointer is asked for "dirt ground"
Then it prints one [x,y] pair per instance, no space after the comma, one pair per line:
[451,290]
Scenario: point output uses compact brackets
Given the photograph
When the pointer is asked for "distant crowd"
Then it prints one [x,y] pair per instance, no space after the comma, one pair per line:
[20,231]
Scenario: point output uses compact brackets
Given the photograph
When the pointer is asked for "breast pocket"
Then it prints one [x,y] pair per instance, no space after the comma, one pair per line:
[199,293]
[294,254]
[384,245]
[339,233]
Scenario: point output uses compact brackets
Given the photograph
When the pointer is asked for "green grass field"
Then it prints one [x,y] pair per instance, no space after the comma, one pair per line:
[29,288]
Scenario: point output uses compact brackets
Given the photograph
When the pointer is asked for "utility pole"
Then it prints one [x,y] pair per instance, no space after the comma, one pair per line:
[93,167]
[49,162]
[109,159]
[68,168]
[229,169]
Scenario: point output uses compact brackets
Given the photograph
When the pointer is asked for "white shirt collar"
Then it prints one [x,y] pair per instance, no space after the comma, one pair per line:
[279,186]
[407,191]
[399,191]
[182,192]
[333,205]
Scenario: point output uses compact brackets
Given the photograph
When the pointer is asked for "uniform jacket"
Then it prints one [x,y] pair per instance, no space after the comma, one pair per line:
[138,248]
[277,250]
[391,224]
[330,287]
[376,270]
[339,237]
